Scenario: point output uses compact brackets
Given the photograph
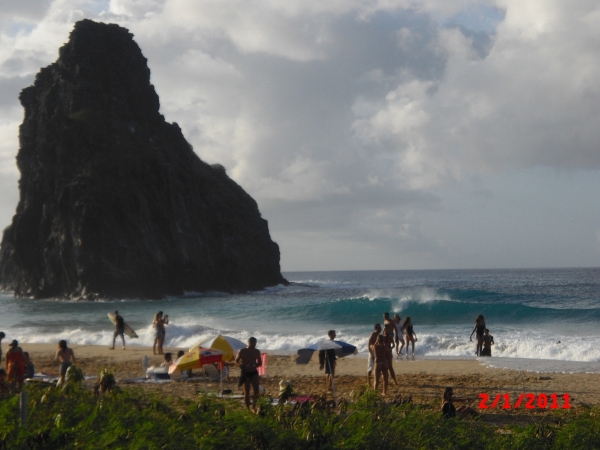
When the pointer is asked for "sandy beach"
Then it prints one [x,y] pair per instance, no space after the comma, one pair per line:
[423,380]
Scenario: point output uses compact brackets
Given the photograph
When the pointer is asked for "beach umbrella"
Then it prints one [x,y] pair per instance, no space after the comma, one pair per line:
[197,358]
[341,349]
[226,344]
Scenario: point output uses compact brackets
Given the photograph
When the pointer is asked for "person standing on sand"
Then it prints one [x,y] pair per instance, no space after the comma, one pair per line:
[119,330]
[66,358]
[380,350]
[15,364]
[411,336]
[327,361]
[390,322]
[371,360]
[479,329]
[388,340]
[159,332]
[249,360]
[399,335]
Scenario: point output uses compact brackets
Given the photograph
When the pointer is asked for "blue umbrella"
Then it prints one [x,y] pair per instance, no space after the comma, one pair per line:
[341,349]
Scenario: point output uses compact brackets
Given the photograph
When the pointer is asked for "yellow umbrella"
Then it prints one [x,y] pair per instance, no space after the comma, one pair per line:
[226,344]
[195,359]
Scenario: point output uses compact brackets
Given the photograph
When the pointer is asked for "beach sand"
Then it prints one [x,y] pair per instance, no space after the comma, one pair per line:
[422,379]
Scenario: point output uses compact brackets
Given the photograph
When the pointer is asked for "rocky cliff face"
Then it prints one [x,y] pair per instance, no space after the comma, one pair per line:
[113,201]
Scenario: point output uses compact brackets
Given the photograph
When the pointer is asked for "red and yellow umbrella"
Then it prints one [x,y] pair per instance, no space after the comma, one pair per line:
[196,359]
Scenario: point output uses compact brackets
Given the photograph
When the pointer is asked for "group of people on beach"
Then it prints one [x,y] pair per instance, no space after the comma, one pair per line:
[18,365]
[158,324]
[396,334]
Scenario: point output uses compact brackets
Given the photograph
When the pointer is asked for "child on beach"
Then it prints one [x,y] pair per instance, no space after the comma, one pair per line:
[66,358]
[488,341]
[448,408]
[168,360]
[380,352]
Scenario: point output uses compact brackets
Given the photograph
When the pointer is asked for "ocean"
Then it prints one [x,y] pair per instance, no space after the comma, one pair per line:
[542,320]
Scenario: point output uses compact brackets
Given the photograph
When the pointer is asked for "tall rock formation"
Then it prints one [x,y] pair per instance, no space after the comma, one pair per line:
[113,200]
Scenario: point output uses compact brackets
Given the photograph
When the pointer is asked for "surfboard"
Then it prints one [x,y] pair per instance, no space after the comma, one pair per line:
[128,331]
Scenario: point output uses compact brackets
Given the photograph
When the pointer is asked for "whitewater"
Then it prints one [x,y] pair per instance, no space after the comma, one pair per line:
[542,319]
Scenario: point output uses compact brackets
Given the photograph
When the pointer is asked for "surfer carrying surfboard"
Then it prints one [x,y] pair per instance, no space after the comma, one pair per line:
[119,330]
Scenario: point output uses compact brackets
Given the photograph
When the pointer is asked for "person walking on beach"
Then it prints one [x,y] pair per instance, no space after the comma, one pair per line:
[388,340]
[327,361]
[159,332]
[380,350]
[411,336]
[479,329]
[249,361]
[119,330]
[399,335]
[371,360]
[66,357]
[15,364]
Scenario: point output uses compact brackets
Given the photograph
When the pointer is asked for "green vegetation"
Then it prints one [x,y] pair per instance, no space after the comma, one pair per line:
[76,417]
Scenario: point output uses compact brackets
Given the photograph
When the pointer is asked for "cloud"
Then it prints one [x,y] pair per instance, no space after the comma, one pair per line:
[350,120]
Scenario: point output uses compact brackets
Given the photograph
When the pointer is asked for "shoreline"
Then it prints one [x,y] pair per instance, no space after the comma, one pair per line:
[422,379]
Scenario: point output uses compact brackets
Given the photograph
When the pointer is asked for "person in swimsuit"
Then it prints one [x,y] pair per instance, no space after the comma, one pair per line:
[66,358]
[399,335]
[15,364]
[390,322]
[388,340]
[371,360]
[488,341]
[159,332]
[380,350]
[448,408]
[327,361]
[119,330]
[411,336]
[249,360]
[479,329]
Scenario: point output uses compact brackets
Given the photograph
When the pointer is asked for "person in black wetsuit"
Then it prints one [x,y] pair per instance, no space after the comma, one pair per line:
[249,360]
[119,330]
[411,336]
[327,361]
[479,329]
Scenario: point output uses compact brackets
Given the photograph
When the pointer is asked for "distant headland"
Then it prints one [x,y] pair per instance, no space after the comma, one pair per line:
[113,200]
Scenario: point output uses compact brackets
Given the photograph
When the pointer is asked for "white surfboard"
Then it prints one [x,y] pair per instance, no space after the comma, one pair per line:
[128,331]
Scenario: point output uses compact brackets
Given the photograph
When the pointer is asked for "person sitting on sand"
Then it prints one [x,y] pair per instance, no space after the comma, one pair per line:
[448,408]
[388,340]
[411,336]
[371,360]
[488,341]
[399,335]
[380,350]
[119,330]
[28,365]
[168,360]
[249,360]
[66,358]
[479,330]
[327,361]
[15,367]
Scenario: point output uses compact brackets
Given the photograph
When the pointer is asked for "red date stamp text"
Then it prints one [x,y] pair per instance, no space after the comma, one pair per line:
[528,401]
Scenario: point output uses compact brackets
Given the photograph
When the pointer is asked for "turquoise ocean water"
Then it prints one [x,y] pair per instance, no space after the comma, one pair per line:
[527,311]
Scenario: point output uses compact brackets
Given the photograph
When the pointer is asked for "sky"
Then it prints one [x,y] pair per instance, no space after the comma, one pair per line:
[373,134]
